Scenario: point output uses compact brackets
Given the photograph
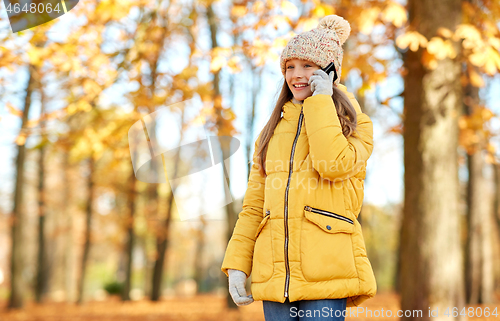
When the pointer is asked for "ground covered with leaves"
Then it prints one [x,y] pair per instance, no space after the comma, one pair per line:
[200,307]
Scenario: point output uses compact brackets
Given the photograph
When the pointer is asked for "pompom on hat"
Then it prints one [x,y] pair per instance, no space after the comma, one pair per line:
[320,45]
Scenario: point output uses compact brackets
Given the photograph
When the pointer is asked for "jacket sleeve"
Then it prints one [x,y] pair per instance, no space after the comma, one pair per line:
[239,251]
[334,156]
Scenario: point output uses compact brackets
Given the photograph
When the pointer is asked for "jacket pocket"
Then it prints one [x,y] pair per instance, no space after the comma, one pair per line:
[326,224]
[326,248]
[263,262]
[262,223]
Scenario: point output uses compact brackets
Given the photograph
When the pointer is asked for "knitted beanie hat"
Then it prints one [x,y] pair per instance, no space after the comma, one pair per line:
[321,45]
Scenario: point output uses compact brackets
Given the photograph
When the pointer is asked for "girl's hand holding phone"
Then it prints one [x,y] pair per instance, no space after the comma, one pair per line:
[321,82]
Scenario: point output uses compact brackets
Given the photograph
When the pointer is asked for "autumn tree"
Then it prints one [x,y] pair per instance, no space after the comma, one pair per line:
[42,275]
[18,285]
[431,257]
[476,140]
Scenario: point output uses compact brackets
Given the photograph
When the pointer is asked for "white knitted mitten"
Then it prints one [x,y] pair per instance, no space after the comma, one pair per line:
[321,83]
[237,289]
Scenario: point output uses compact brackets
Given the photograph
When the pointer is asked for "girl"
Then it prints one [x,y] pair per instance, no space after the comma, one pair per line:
[298,231]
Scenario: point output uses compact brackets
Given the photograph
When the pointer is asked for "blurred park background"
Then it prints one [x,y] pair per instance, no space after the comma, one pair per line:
[82,238]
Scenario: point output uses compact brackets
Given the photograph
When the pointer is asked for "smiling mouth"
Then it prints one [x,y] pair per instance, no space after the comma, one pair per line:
[303,86]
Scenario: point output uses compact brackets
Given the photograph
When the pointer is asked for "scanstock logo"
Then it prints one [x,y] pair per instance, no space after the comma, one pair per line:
[26,14]
[173,145]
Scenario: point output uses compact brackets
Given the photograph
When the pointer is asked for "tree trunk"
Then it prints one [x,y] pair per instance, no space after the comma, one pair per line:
[397,274]
[163,234]
[230,212]
[130,232]
[256,87]
[161,246]
[88,226]
[69,262]
[17,284]
[42,272]
[431,257]
[152,188]
[479,249]
[362,103]
[199,269]
[496,227]
[479,274]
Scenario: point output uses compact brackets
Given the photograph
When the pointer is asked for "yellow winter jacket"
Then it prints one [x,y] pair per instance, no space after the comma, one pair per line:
[298,230]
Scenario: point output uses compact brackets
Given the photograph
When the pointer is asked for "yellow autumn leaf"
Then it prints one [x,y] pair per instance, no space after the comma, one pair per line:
[217,63]
[470,34]
[13,110]
[490,159]
[429,60]
[478,58]
[83,105]
[462,122]
[494,42]
[20,139]
[65,66]
[221,51]
[98,61]
[288,8]
[475,79]
[121,9]
[495,56]
[239,11]
[441,48]
[489,59]
[412,39]
[71,109]
[445,32]
[366,86]
[198,120]
[91,87]
[258,7]
[436,46]
[279,42]
[489,67]
[491,148]
[234,65]
[34,55]
[367,19]
[395,14]
[486,114]
[323,10]
[310,24]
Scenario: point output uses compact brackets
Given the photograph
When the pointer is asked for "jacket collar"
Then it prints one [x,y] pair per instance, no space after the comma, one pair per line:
[291,109]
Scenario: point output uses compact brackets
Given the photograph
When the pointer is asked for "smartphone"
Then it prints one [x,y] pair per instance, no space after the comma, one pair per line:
[329,68]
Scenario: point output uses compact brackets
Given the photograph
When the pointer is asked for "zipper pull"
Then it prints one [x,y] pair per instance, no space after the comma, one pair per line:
[268,212]
[307,208]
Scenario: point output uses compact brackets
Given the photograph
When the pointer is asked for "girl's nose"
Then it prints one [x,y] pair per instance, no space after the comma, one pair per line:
[298,74]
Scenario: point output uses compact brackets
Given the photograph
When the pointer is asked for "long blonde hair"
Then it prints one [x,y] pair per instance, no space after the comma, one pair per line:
[345,111]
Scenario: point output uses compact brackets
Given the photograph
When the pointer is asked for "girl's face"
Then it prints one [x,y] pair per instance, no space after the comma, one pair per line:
[298,72]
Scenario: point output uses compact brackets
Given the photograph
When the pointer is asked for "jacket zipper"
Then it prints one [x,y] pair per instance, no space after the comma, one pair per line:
[268,212]
[323,212]
[287,280]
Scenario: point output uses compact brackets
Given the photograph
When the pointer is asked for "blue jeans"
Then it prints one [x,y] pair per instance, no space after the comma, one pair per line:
[310,310]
